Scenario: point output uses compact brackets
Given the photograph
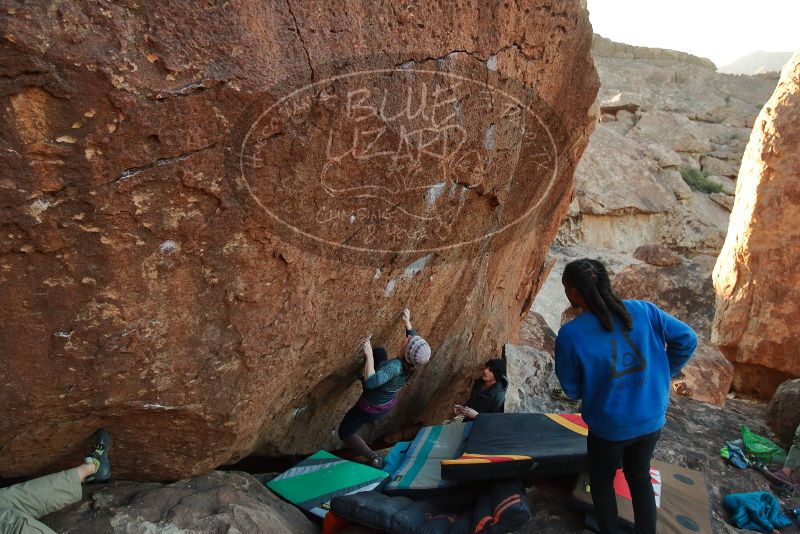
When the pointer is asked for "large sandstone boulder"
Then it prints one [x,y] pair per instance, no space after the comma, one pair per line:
[531,380]
[707,377]
[535,332]
[684,291]
[756,277]
[205,209]
[783,412]
[217,502]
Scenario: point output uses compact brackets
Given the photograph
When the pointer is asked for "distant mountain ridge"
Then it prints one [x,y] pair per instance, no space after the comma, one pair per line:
[602,46]
[757,62]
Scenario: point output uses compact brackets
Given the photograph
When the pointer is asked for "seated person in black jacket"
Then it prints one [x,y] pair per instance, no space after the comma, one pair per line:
[488,392]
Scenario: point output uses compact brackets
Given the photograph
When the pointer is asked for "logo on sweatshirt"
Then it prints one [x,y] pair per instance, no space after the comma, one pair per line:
[626,361]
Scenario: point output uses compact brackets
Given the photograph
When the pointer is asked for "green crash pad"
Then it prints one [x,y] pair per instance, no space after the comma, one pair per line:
[311,484]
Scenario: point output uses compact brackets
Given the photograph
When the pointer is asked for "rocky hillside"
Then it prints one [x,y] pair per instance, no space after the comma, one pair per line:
[660,119]
[666,118]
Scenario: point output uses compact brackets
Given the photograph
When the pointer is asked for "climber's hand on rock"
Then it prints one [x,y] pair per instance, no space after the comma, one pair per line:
[366,347]
[406,315]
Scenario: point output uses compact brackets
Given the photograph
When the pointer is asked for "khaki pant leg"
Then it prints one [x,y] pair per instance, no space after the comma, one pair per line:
[793,459]
[43,495]
[14,522]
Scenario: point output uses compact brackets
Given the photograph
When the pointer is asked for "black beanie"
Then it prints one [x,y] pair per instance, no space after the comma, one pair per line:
[498,367]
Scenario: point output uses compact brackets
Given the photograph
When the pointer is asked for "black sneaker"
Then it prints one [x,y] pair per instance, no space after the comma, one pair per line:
[99,457]
[378,462]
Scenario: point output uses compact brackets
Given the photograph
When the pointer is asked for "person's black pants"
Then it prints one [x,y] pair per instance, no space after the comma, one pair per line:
[604,459]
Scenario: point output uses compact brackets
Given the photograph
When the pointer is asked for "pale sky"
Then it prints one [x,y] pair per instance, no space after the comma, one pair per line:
[721,30]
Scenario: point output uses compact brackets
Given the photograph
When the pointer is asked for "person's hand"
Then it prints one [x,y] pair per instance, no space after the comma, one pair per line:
[366,347]
[406,315]
[469,413]
[457,409]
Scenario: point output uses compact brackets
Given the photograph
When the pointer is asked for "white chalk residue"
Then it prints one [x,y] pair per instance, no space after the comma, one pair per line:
[488,142]
[168,246]
[154,406]
[390,287]
[408,273]
[38,207]
[454,187]
[352,219]
[416,267]
[434,192]
[64,334]
[491,63]
[377,274]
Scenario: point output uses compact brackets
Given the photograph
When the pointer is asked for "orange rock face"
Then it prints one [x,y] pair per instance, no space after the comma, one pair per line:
[707,377]
[205,210]
[756,276]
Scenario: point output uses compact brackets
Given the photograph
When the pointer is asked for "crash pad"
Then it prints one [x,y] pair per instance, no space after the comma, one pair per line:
[396,455]
[420,469]
[681,498]
[311,484]
[500,507]
[508,445]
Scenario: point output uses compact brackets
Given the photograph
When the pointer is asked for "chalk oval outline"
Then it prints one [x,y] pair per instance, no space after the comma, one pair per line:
[360,249]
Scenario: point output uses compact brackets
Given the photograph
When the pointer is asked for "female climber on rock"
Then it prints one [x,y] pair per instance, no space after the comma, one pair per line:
[382,379]
[618,357]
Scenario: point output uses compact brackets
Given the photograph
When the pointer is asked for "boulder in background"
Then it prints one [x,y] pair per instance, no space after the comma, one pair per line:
[783,412]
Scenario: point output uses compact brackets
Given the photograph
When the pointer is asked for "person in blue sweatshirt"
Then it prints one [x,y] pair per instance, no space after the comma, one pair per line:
[617,357]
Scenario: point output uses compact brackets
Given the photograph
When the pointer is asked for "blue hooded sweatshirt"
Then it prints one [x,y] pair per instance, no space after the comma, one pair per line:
[622,377]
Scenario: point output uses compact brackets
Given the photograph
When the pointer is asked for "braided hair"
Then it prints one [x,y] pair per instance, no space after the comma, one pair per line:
[590,279]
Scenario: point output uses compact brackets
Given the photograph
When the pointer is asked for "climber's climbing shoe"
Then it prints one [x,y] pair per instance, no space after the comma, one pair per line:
[377,461]
[99,457]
